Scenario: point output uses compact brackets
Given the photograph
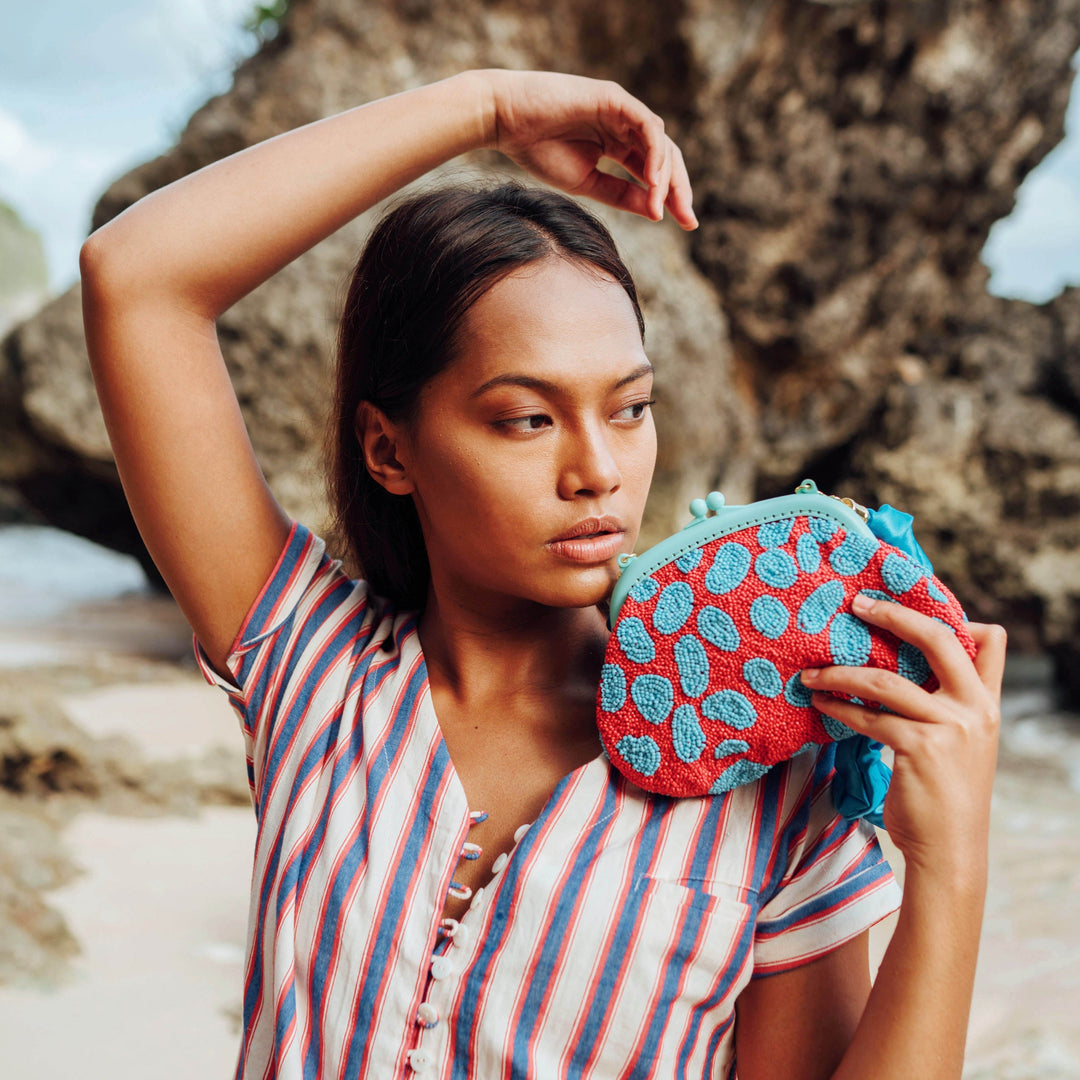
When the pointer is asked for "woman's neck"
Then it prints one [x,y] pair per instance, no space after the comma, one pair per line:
[525,650]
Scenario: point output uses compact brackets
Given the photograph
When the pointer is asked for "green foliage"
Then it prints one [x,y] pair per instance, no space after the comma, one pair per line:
[265,20]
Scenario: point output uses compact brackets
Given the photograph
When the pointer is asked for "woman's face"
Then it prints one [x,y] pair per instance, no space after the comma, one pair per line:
[542,422]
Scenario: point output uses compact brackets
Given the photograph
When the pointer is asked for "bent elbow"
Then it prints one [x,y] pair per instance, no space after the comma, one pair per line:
[96,261]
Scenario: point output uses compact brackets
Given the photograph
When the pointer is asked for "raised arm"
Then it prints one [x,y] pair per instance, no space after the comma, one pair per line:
[154,280]
[156,277]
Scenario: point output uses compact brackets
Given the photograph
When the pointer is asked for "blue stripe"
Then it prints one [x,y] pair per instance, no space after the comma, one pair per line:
[618,951]
[394,911]
[309,855]
[274,590]
[314,755]
[684,952]
[847,887]
[555,941]
[766,833]
[379,769]
[823,766]
[279,730]
[285,1017]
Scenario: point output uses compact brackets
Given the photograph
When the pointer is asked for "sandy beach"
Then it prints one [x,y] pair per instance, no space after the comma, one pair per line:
[135,860]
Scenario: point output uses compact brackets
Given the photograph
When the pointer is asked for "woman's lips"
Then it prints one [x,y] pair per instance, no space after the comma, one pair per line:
[589,549]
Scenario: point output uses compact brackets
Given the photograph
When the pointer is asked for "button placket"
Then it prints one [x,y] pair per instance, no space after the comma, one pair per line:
[445,965]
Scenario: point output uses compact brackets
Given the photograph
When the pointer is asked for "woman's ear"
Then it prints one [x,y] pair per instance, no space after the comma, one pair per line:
[384,448]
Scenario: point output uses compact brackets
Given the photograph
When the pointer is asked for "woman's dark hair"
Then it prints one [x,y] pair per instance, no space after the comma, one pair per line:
[427,260]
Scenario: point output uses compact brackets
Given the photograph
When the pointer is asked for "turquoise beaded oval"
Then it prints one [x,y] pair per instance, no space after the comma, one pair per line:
[718,628]
[768,616]
[776,568]
[730,565]
[693,665]
[686,735]
[640,753]
[634,640]
[763,677]
[819,607]
[673,608]
[612,688]
[731,708]
[654,696]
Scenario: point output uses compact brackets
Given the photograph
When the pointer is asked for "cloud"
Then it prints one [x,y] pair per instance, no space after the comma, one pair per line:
[21,155]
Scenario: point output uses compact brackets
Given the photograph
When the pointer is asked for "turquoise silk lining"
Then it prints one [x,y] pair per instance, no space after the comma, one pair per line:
[862,778]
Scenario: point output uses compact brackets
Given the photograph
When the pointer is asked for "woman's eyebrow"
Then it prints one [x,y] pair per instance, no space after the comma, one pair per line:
[531,382]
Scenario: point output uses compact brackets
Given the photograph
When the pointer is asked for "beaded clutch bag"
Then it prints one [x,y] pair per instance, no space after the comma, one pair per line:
[700,688]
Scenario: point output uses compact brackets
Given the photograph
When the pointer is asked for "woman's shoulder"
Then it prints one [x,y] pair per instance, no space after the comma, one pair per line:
[310,609]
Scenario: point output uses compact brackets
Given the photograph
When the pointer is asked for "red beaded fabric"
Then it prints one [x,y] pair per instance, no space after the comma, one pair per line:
[700,690]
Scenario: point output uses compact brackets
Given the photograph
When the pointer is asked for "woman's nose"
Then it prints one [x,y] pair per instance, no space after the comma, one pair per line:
[590,467]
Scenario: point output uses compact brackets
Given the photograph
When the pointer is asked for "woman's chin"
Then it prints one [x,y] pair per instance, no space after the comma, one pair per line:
[592,589]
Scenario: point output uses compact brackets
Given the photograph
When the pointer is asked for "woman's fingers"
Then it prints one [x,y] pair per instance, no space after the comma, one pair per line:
[678,197]
[992,640]
[616,192]
[964,683]
[680,194]
[659,191]
[948,659]
[901,696]
[892,730]
[557,126]
[639,144]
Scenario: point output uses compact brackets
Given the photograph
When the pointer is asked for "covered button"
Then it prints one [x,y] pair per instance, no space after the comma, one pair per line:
[442,966]
[427,1014]
[461,935]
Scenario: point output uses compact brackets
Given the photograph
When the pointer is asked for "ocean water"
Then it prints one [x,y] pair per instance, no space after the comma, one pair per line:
[45,572]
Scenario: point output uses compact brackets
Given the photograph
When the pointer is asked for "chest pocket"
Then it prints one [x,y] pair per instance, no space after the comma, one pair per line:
[695,923]
[668,978]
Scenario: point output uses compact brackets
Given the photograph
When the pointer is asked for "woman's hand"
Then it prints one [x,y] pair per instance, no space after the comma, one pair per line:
[937,810]
[558,127]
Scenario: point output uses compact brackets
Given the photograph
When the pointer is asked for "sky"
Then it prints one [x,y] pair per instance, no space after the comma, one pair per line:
[87,91]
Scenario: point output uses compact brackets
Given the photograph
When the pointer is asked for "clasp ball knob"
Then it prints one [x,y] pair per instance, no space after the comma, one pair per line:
[699,508]
[715,500]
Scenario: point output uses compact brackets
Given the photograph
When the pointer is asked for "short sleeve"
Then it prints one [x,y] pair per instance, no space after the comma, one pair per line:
[308,615]
[829,879]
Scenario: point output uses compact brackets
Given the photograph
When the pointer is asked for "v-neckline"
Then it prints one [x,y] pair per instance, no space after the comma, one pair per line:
[565,783]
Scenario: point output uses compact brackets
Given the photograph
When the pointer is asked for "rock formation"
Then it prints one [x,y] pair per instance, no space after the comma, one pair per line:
[24,276]
[829,318]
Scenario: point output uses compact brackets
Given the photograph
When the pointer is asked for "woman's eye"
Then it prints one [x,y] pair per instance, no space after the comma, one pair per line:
[639,405]
[521,420]
[525,423]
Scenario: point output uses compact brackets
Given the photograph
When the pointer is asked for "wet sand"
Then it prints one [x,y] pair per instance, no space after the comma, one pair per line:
[158,904]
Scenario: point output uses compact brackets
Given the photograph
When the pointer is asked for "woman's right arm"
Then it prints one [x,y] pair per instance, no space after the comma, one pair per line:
[155,279]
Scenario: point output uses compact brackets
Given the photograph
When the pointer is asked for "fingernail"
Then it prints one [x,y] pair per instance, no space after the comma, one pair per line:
[810,673]
[862,603]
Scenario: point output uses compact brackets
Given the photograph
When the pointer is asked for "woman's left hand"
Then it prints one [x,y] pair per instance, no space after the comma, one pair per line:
[937,810]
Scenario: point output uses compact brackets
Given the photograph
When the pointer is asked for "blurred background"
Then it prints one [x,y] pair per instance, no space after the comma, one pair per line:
[884,295]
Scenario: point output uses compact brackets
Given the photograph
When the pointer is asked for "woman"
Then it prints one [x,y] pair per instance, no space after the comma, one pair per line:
[450,878]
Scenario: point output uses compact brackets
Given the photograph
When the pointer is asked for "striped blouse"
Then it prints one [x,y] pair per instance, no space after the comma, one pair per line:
[611,941]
